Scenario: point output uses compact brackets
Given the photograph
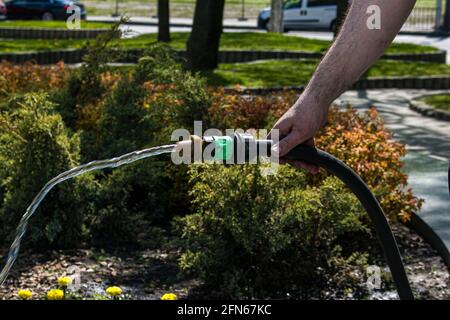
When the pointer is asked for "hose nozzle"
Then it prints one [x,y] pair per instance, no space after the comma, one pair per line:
[239,148]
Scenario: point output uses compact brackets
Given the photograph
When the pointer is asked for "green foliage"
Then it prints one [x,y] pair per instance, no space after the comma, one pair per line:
[140,111]
[145,106]
[135,199]
[255,236]
[85,86]
[359,139]
[37,147]
[245,235]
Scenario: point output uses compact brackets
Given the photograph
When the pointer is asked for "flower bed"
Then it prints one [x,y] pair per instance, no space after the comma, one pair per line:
[233,229]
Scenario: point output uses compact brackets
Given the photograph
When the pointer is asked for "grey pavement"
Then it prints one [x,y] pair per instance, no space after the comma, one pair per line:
[428,144]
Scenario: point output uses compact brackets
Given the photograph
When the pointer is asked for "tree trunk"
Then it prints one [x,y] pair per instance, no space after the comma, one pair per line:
[342,8]
[163,21]
[204,40]
[447,16]
[276,16]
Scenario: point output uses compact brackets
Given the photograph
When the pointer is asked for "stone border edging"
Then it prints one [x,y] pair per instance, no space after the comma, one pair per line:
[49,33]
[426,110]
[44,57]
[226,56]
[424,82]
[236,56]
[242,56]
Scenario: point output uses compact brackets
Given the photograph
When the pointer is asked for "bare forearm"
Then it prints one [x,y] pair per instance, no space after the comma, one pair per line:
[356,48]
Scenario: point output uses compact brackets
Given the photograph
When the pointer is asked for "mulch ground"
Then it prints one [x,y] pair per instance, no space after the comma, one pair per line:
[148,274]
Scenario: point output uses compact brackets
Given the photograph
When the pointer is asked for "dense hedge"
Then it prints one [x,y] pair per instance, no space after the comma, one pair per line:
[255,236]
[34,148]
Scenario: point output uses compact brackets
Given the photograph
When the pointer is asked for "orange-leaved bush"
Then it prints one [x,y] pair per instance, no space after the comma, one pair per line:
[363,143]
[358,139]
[30,77]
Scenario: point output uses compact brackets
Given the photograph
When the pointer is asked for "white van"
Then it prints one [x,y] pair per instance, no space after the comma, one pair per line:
[304,14]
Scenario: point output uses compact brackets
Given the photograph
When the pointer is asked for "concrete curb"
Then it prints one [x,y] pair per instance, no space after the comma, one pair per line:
[426,110]
[235,56]
[426,82]
[225,56]
[44,57]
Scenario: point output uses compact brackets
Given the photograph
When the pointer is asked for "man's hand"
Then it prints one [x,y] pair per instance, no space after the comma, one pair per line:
[355,49]
[299,125]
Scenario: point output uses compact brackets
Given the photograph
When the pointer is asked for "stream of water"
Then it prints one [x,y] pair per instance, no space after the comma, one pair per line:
[91,166]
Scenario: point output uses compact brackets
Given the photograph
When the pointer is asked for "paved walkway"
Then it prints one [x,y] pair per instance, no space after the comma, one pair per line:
[428,145]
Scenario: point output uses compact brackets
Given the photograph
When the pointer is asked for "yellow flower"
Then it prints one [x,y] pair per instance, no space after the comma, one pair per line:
[55,294]
[65,281]
[114,291]
[169,296]
[25,294]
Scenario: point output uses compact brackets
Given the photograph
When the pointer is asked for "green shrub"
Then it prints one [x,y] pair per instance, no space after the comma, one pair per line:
[85,87]
[146,106]
[36,147]
[254,236]
[142,110]
[137,197]
[359,139]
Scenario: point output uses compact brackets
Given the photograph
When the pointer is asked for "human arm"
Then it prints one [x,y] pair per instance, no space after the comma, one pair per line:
[355,49]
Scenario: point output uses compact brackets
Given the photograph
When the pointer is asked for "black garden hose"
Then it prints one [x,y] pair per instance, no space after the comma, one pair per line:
[370,204]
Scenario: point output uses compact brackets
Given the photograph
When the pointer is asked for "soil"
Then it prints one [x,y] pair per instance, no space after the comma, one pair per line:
[148,274]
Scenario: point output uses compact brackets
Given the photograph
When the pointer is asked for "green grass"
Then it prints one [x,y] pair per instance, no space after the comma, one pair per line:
[439,101]
[51,24]
[10,45]
[297,72]
[232,40]
[265,41]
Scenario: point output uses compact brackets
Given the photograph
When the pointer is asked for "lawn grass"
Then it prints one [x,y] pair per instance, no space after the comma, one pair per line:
[24,45]
[266,41]
[438,101]
[229,41]
[51,24]
[278,73]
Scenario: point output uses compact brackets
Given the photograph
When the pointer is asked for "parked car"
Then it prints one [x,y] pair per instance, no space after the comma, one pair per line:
[2,10]
[42,9]
[304,14]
